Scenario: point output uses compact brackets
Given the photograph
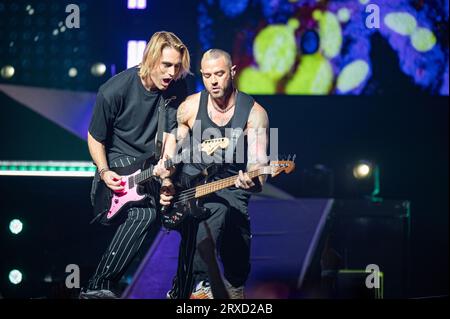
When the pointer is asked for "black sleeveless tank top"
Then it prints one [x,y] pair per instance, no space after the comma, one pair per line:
[234,158]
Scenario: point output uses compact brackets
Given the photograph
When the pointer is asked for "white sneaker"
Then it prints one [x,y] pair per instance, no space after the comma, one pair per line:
[234,292]
[202,291]
[169,294]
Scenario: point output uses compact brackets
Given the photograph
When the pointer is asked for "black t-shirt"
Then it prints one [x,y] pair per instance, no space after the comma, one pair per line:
[125,117]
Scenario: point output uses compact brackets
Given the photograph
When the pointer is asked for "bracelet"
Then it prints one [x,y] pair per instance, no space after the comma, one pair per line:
[100,172]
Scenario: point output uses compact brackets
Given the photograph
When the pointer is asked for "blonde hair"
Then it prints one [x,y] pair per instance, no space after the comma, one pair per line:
[153,52]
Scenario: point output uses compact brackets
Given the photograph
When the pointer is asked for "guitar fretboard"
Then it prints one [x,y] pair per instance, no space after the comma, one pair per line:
[210,146]
[145,175]
[212,187]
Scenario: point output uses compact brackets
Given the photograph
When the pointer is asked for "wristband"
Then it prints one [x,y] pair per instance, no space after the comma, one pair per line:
[103,170]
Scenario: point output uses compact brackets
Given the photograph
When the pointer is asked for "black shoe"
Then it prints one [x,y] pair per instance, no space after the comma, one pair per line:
[98,294]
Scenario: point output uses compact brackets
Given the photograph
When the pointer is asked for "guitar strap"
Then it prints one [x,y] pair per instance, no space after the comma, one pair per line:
[161,125]
[162,106]
[244,104]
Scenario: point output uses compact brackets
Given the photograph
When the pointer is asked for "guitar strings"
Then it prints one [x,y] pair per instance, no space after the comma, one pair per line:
[190,193]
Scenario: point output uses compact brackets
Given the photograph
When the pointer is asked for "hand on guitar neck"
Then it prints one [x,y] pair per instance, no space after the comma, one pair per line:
[163,169]
[244,181]
[187,202]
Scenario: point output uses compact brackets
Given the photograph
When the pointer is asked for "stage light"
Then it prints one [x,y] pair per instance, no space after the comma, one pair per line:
[49,168]
[7,71]
[137,4]
[30,10]
[15,276]
[15,226]
[362,169]
[366,177]
[135,51]
[98,69]
[73,72]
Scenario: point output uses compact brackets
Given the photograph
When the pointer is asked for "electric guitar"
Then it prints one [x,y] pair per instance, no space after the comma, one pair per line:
[108,205]
[187,202]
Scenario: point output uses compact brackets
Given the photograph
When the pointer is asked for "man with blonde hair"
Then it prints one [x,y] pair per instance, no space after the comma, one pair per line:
[124,126]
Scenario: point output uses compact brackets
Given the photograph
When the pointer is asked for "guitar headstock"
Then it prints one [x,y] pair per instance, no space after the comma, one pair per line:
[286,166]
[210,146]
[224,143]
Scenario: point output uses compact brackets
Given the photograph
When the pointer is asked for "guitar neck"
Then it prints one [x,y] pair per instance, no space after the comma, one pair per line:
[215,186]
[147,174]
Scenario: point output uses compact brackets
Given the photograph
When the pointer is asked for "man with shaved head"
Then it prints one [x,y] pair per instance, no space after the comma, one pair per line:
[223,108]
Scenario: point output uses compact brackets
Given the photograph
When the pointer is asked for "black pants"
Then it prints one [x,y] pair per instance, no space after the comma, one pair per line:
[125,243]
[230,227]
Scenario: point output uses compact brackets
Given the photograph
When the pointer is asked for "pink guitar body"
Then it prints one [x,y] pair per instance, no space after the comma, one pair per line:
[128,196]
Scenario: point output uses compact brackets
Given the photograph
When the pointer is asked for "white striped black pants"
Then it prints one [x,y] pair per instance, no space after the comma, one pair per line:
[124,245]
